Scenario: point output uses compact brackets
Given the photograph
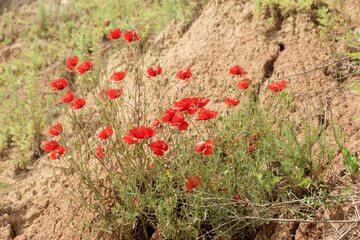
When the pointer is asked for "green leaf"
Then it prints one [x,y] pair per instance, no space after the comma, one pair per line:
[355,88]
[354,55]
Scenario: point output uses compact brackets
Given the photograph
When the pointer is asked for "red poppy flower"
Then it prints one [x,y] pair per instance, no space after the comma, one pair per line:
[85,66]
[114,93]
[131,36]
[71,62]
[59,84]
[237,70]
[56,129]
[232,101]
[159,147]
[237,197]
[135,201]
[154,71]
[118,76]
[206,114]
[68,97]
[102,94]
[114,34]
[243,84]
[51,145]
[105,133]
[156,122]
[277,86]
[184,74]
[168,115]
[200,102]
[204,147]
[193,182]
[58,151]
[179,120]
[99,152]
[251,148]
[79,103]
[186,104]
[135,135]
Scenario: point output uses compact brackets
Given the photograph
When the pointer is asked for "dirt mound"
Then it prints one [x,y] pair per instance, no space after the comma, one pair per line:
[225,34]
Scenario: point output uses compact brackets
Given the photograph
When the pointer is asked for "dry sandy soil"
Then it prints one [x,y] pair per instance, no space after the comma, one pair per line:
[226,33]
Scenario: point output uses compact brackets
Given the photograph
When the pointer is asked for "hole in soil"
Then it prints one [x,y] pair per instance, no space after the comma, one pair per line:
[269,67]
[282,47]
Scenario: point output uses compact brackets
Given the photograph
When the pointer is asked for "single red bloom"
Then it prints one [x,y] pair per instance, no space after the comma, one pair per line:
[193,182]
[118,76]
[68,97]
[105,133]
[237,70]
[251,148]
[135,135]
[154,71]
[71,62]
[232,101]
[277,86]
[168,115]
[184,74]
[179,120]
[186,104]
[206,114]
[99,152]
[200,102]
[131,36]
[59,84]
[243,84]
[56,129]
[156,122]
[58,151]
[114,34]
[237,197]
[135,200]
[51,145]
[159,147]
[114,93]
[79,103]
[204,147]
[222,189]
[102,94]
[85,66]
